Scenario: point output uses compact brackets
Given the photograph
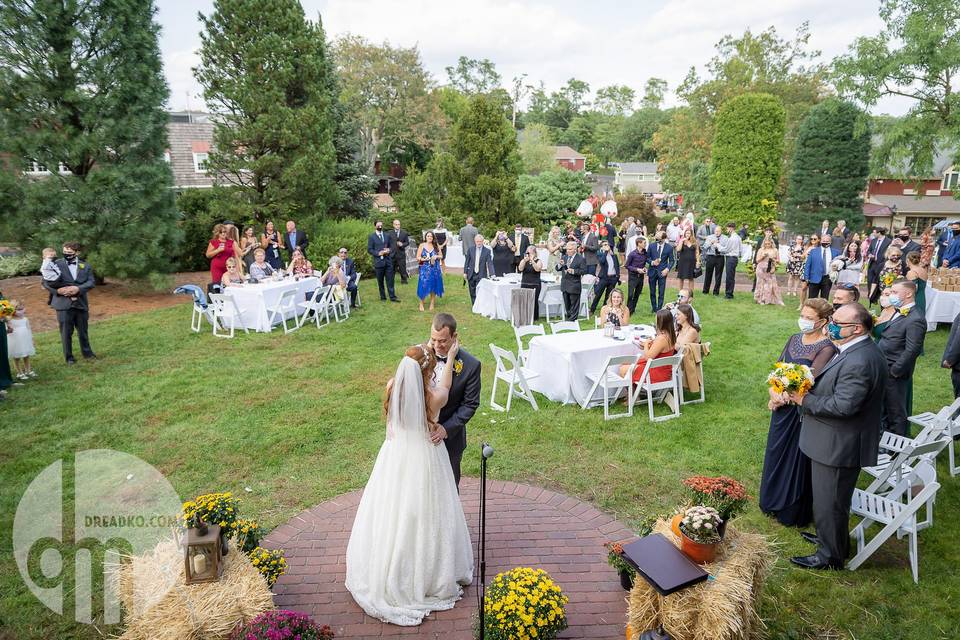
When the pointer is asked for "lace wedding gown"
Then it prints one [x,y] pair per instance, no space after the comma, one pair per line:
[409,551]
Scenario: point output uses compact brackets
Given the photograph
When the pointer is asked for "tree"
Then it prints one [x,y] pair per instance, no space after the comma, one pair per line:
[429,194]
[82,94]
[388,92]
[519,92]
[473,76]
[653,93]
[615,100]
[746,158]
[924,68]
[552,194]
[485,147]
[682,149]
[634,141]
[264,71]
[536,149]
[558,109]
[830,167]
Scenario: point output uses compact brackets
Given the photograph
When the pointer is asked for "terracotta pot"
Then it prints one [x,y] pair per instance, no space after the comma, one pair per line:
[699,553]
[675,525]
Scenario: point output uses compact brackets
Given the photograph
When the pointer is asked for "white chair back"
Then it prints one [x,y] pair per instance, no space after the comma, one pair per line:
[285,311]
[609,379]
[669,386]
[516,377]
[552,298]
[522,332]
[225,310]
[564,326]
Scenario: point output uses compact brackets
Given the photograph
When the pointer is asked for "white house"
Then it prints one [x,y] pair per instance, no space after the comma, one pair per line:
[639,176]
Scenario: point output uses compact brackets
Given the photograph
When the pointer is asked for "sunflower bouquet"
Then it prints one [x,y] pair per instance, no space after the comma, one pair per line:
[524,603]
[888,276]
[271,564]
[790,377]
[6,309]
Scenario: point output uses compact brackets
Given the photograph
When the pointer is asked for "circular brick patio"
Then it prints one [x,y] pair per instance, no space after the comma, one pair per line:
[526,526]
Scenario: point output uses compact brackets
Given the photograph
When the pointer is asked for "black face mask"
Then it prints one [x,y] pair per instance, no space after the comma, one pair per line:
[824,244]
[837,305]
[905,238]
[69,256]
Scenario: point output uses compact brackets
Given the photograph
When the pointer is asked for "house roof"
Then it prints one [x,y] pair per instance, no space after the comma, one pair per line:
[638,167]
[872,210]
[563,152]
[942,161]
[384,202]
[929,205]
[185,139]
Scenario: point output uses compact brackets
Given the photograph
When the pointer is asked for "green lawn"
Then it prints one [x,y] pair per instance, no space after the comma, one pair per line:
[297,419]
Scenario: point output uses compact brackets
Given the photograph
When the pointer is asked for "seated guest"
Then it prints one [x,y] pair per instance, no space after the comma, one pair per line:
[615,311]
[688,343]
[662,345]
[299,265]
[684,297]
[232,277]
[688,331]
[845,293]
[334,277]
[350,273]
[260,269]
[901,343]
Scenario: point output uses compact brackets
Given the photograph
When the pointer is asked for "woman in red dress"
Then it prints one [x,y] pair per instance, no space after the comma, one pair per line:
[660,346]
[219,249]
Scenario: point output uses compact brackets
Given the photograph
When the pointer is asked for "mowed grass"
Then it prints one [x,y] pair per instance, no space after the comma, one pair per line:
[297,419]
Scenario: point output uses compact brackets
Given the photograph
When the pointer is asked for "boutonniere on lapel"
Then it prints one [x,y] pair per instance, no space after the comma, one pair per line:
[457,366]
[903,312]
[81,265]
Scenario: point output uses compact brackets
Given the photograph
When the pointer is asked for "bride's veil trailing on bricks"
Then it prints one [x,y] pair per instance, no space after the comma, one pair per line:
[409,550]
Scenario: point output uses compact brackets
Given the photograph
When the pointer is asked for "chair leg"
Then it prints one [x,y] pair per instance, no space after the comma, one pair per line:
[528,394]
[493,394]
[510,388]
[914,560]
[954,469]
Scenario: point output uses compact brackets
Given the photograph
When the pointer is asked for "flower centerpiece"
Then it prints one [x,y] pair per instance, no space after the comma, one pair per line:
[790,376]
[270,563]
[524,603]
[271,625]
[722,493]
[616,560]
[700,533]
[211,508]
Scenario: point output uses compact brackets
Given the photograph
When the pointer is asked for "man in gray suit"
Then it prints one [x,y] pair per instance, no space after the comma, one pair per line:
[840,431]
[467,234]
[68,296]
[572,266]
[477,265]
[901,343]
[591,245]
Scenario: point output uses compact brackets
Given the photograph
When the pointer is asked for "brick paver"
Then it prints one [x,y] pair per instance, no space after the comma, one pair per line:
[526,526]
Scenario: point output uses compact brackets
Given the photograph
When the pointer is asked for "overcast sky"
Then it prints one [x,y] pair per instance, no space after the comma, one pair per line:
[599,41]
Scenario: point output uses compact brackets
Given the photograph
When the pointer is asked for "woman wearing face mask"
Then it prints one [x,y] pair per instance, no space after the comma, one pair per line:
[887,310]
[785,491]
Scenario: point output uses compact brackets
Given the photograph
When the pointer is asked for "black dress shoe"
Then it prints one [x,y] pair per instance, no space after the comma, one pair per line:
[815,562]
[810,537]
[71,361]
[90,356]
[394,299]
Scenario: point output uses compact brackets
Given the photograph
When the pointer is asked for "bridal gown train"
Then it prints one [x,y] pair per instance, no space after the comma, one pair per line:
[409,551]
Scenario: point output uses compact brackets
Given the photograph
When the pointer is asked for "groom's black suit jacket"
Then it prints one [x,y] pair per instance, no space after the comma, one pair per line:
[462,403]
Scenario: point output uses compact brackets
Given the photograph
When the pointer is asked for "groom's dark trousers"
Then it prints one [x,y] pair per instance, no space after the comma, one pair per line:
[462,403]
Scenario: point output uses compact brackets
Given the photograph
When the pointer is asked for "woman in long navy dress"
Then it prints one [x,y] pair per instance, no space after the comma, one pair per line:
[430,279]
[785,490]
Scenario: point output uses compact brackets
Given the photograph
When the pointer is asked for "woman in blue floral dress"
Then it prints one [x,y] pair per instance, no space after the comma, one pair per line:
[430,279]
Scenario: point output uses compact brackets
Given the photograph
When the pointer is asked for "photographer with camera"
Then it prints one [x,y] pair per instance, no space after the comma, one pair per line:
[530,268]
[684,297]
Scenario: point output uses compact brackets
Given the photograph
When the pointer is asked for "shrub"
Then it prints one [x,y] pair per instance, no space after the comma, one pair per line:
[634,203]
[271,625]
[327,236]
[24,264]
[200,210]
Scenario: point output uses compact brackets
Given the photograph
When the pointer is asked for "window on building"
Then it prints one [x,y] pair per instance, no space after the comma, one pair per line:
[32,166]
[951,180]
[200,162]
[918,224]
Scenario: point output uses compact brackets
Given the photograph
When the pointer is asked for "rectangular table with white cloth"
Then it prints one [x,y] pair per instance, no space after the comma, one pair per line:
[942,306]
[493,295]
[564,360]
[253,300]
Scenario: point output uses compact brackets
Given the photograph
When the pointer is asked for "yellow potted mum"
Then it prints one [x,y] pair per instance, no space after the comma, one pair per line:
[524,603]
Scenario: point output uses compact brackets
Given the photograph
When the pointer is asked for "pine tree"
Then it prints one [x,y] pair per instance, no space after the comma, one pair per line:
[830,167]
[82,94]
[264,71]
[746,158]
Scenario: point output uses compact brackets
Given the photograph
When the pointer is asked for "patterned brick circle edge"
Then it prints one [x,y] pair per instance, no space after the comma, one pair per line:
[526,526]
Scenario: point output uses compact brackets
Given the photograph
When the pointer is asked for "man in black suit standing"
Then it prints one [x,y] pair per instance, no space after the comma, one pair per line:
[520,244]
[402,240]
[660,261]
[608,275]
[591,245]
[464,398]
[907,246]
[951,355]
[350,273]
[572,266]
[381,247]
[294,240]
[876,253]
[901,343]
[944,240]
[477,265]
[840,431]
[68,296]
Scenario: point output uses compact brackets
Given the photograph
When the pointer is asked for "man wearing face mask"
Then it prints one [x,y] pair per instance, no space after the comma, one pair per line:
[840,431]
[901,343]
[69,299]
[906,246]
[382,247]
[660,255]
[816,269]
[845,293]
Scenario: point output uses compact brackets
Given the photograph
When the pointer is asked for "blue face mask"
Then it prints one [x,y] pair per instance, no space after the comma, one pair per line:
[894,300]
[834,331]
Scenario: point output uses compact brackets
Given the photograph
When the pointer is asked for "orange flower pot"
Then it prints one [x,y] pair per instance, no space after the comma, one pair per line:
[699,553]
[675,525]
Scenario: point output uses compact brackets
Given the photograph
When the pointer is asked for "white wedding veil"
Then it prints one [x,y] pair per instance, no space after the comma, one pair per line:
[407,412]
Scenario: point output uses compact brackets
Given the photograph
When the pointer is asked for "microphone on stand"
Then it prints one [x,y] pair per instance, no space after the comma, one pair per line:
[486,452]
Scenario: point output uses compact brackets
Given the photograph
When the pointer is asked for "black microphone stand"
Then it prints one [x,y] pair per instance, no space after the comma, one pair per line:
[485,452]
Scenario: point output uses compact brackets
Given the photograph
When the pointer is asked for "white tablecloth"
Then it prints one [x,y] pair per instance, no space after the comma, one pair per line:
[784,253]
[493,296]
[254,299]
[942,306]
[455,255]
[564,360]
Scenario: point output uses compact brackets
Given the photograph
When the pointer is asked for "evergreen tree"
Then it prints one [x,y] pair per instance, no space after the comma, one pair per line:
[265,72]
[830,167]
[552,194]
[746,157]
[81,95]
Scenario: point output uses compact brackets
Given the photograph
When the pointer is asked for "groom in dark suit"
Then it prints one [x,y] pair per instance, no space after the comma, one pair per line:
[68,296]
[840,431]
[660,260]
[464,395]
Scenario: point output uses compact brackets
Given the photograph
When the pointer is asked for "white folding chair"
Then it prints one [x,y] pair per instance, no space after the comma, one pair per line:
[197,316]
[660,389]
[609,379]
[704,348]
[552,299]
[586,298]
[949,417]
[892,468]
[318,304]
[225,311]
[515,376]
[286,307]
[564,326]
[896,516]
[356,281]
[522,332]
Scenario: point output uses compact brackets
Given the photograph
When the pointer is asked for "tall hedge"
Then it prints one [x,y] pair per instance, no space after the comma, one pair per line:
[746,158]
[830,167]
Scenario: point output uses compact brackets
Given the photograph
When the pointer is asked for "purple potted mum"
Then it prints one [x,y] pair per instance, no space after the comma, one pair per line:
[281,624]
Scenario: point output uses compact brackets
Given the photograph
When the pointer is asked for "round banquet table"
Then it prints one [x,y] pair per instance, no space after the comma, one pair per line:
[493,295]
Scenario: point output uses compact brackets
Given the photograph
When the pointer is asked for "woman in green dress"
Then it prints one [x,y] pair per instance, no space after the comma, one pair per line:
[918,274]
[6,379]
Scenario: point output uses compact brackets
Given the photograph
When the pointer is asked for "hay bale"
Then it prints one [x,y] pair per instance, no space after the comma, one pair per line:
[719,609]
[159,606]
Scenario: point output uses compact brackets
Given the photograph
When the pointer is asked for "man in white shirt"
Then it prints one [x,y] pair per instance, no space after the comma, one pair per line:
[684,297]
[674,230]
[730,247]
[477,265]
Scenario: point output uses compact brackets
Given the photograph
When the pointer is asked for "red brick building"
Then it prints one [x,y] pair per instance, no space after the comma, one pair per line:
[569,158]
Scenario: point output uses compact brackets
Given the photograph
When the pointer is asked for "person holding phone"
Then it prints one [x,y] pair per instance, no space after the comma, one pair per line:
[220,249]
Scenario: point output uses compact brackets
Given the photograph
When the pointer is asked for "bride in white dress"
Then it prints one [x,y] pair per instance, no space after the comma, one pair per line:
[409,551]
